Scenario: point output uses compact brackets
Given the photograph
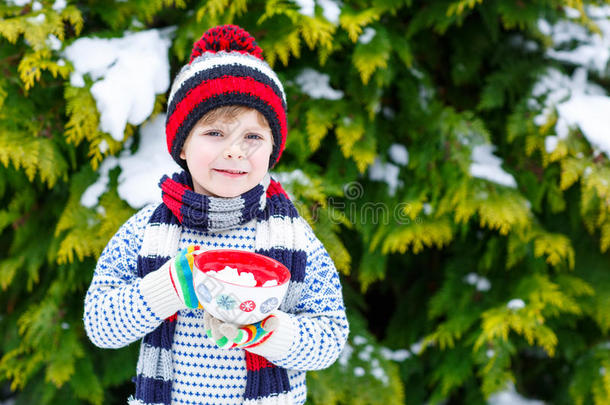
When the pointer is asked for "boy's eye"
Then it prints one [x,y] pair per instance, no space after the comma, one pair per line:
[213,133]
[254,136]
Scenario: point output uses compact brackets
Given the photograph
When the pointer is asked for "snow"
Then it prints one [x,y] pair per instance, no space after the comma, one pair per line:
[386,172]
[91,196]
[545,27]
[557,87]
[426,94]
[306,7]
[330,9]
[483,284]
[399,154]
[511,397]
[77,80]
[19,3]
[416,347]
[379,373]
[230,275]
[316,85]
[288,179]
[136,23]
[59,5]
[578,102]
[365,354]
[367,35]
[427,208]
[471,278]
[54,42]
[571,12]
[140,172]
[487,166]
[103,146]
[592,115]
[39,19]
[345,355]
[592,51]
[480,283]
[395,355]
[359,340]
[515,304]
[388,113]
[550,143]
[128,73]
[295,176]
[518,41]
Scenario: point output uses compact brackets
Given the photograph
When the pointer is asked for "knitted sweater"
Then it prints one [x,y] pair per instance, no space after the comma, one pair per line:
[121,308]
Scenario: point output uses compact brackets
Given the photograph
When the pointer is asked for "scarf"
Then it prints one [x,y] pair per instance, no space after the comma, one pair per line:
[275,237]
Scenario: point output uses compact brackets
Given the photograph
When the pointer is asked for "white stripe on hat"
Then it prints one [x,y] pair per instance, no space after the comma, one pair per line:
[211,60]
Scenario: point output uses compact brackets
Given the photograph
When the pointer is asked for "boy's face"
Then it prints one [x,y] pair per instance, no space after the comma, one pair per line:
[227,157]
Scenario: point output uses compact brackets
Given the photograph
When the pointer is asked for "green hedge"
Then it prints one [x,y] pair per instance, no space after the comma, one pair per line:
[463,270]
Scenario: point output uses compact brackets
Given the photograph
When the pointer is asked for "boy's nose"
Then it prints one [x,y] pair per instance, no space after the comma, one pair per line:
[234,151]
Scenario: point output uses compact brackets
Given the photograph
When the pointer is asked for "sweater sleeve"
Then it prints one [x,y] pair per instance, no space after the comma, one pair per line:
[119,309]
[313,335]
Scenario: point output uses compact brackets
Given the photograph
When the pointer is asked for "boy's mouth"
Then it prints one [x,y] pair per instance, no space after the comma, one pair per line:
[231,173]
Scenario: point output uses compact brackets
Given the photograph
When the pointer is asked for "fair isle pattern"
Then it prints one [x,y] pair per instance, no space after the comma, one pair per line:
[115,290]
[204,373]
[226,68]
[265,383]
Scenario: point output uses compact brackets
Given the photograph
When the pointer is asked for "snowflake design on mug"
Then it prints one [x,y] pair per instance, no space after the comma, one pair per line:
[225,302]
[203,293]
[247,306]
[269,305]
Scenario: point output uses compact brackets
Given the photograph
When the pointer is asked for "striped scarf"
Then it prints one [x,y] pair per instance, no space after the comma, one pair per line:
[277,236]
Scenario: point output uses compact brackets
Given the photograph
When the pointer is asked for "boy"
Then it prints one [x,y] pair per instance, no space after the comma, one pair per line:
[226,127]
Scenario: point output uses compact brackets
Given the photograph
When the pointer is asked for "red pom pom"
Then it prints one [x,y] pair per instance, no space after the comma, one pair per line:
[228,38]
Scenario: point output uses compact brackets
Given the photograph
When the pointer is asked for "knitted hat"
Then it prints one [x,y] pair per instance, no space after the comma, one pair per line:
[226,68]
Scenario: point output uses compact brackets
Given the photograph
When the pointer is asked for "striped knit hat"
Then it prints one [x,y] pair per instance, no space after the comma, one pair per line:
[226,68]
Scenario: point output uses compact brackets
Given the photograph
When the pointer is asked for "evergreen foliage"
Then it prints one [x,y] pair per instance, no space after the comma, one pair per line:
[476,283]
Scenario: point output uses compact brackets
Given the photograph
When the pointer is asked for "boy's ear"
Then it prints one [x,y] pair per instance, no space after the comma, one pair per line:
[182,154]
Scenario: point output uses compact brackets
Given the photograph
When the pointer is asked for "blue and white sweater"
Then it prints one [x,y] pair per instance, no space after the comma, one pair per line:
[121,308]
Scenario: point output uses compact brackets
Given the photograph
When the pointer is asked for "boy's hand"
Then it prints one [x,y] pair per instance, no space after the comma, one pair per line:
[181,274]
[228,336]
